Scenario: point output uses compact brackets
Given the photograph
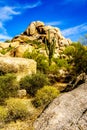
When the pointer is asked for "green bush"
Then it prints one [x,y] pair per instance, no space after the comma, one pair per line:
[53,73]
[35,43]
[8,86]
[7,41]
[17,109]
[42,63]
[45,95]
[5,50]
[33,83]
[78,58]
[62,63]
[3,114]
[69,50]
[30,55]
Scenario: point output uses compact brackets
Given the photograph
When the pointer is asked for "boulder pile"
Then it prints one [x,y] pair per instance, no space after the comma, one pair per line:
[39,31]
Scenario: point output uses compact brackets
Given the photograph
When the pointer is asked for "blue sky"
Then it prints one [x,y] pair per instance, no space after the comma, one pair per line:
[68,15]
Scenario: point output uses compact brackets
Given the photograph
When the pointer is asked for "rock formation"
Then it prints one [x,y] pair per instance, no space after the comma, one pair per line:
[66,112]
[36,32]
[20,66]
[39,31]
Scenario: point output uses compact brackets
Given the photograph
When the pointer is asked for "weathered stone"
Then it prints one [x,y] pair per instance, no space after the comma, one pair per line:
[20,66]
[39,24]
[32,28]
[22,93]
[66,112]
[63,42]
[4,45]
[19,50]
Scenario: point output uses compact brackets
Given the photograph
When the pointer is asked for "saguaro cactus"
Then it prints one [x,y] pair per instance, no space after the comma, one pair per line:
[50,47]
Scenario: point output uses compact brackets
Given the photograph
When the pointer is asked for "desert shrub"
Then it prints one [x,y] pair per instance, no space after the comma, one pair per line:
[17,109]
[3,114]
[5,50]
[45,95]
[62,63]
[42,63]
[34,42]
[30,55]
[33,83]
[8,86]
[79,58]
[37,43]
[69,50]
[7,41]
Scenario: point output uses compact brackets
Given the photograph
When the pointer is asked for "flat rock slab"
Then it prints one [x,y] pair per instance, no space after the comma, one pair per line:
[66,112]
[20,66]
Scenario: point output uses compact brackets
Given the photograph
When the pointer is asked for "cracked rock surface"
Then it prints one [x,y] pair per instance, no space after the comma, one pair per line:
[66,112]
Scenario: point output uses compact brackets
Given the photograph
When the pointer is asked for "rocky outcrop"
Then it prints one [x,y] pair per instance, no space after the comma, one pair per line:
[20,66]
[33,27]
[66,112]
[39,31]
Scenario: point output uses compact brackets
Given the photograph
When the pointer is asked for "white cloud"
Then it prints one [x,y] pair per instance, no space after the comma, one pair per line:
[3,33]
[7,13]
[75,30]
[2,29]
[54,23]
[30,6]
[4,37]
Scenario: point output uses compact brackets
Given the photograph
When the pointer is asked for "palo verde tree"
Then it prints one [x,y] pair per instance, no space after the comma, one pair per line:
[50,47]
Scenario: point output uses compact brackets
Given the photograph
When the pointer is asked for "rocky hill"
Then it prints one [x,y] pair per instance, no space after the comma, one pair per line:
[38,31]
[44,65]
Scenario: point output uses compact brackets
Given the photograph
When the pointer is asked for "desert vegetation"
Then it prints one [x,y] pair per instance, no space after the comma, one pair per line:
[52,75]
[40,87]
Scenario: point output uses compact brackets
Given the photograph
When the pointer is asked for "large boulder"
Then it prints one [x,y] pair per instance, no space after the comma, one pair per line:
[39,24]
[20,66]
[18,51]
[66,112]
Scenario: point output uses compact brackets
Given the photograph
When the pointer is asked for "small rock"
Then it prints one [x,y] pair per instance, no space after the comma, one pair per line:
[22,93]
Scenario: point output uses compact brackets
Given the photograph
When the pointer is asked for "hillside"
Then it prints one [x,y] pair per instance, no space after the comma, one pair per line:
[36,67]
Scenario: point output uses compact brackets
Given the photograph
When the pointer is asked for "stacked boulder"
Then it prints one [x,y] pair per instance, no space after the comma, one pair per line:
[39,31]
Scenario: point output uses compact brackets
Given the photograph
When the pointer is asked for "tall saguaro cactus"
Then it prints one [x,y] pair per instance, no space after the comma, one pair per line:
[50,47]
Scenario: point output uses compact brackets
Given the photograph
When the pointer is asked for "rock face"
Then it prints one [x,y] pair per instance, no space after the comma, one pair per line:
[20,66]
[67,112]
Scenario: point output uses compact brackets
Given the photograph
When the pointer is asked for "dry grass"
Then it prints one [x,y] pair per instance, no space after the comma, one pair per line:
[26,124]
